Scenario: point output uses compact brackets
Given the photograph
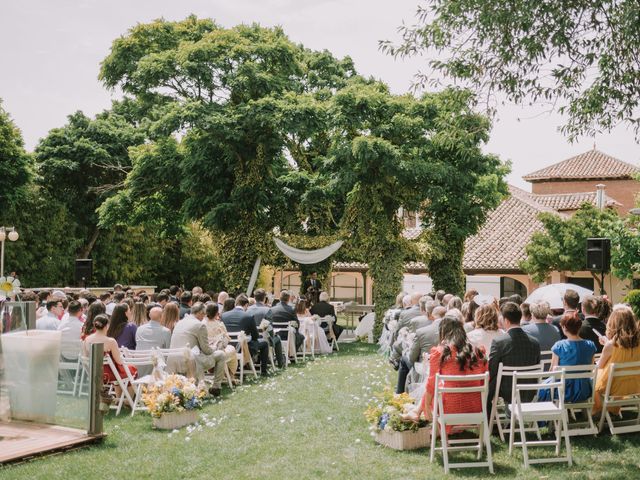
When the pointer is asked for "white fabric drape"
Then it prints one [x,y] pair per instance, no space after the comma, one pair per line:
[307,257]
[254,276]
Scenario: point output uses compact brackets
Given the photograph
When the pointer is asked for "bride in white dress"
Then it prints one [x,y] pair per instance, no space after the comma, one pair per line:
[309,325]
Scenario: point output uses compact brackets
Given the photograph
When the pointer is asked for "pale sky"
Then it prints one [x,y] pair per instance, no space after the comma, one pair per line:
[50,53]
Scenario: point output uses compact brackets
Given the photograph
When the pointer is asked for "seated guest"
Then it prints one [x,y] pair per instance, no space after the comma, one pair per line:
[238,320]
[139,314]
[426,318]
[411,311]
[261,311]
[323,308]
[152,334]
[453,355]
[55,309]
[190,332]
[621,345]
[426,338]
[95,309]
[120,327]
[218,336]
[185,304]
[513,349]
[545,334]
[486,331]
[591,322]
[470,315]
[170,315]
[110,346]
[454,302]
[570,303]
[71,328]
[525,308]
[283,313]
[571,351]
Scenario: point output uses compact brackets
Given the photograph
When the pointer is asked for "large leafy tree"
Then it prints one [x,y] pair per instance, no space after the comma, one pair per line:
[219,110]
[83,163]
[579,56]
[15,163]
[562,244]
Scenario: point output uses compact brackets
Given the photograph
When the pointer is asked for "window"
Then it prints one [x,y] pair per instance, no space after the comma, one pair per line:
[511,286]
[582,282]
[347,288]
[291,281]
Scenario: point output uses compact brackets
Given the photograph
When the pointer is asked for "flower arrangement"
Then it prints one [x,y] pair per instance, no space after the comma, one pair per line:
[175,393]
[385,413]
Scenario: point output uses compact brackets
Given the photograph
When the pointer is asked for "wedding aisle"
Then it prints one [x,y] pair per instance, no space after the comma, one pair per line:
[305,423]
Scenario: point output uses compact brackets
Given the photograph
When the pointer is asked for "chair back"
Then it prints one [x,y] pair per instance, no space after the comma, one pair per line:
[443,385]
[545,360]
[508,371]
[536,381]
[620,370]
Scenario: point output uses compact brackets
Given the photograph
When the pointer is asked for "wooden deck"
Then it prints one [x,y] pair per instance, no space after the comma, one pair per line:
[20,440]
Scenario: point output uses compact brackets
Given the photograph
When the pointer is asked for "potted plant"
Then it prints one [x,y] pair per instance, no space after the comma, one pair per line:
[389,428]
[173,402]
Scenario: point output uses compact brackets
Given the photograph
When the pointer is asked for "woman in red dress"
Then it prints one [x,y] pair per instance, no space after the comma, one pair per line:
[453,356]
[101,325]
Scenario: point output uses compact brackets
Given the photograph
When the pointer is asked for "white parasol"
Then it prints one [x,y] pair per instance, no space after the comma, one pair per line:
[553,294]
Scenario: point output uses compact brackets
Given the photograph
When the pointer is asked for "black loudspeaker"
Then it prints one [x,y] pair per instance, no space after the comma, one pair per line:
[84,270]
[598,254]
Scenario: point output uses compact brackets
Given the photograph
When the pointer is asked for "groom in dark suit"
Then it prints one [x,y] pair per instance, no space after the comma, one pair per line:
[311,287]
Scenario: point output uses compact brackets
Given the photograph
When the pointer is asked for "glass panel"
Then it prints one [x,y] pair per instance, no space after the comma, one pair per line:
[346,288]
[41,380]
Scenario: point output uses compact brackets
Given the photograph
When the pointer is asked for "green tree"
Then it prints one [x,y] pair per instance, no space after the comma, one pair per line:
[580,56]
[15,163]
[229,94]
[82,164]
[562,245]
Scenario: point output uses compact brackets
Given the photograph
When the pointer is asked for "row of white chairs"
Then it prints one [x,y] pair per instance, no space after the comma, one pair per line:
[525,411]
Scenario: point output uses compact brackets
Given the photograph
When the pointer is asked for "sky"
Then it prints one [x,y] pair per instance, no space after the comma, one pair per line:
[50,53]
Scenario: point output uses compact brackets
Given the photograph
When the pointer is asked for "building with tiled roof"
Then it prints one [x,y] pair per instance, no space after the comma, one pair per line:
[591,165]
[493,256]
[582,173]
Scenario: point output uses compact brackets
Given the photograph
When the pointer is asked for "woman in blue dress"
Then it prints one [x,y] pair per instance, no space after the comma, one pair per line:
[572,351]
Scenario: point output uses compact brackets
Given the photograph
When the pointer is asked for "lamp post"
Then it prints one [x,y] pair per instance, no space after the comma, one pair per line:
[12,234]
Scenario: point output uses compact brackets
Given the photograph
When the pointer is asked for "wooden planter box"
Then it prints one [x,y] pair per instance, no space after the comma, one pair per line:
[169,421]
[406,440]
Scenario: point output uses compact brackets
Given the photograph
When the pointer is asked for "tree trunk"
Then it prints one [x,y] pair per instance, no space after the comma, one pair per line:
[86,249]
[446,270]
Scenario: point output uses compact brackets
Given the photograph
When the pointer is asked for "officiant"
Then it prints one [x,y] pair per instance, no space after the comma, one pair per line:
[311,287]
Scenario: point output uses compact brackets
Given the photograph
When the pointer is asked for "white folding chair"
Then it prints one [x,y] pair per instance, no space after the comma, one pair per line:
[308,329]
[69,368]
[630,401]
[333,341]
[238,340]
[288,345]
[122,383]
[266,338]
[141,363]
[475,420]
[545,360]
[498,409]
[581,372]
[534,411]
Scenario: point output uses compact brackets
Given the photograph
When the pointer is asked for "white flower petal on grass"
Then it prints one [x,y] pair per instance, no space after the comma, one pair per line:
[187,439]
[357,440]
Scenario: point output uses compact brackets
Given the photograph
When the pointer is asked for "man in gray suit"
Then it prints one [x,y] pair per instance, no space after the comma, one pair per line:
[426,338]
[260,311]
[191,332]
[424,319]
[152,334]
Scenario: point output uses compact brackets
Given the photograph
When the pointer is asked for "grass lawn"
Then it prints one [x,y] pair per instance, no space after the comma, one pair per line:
[304,423]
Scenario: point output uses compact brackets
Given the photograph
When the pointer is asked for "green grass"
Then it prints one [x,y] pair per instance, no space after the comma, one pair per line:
[304,423]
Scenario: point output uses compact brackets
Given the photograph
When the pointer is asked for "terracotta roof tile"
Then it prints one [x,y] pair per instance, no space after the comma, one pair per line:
[589,165]
[571,201]
[500,243]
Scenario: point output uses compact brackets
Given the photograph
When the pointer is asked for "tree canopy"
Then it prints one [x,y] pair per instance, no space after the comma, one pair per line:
[562,244]
[579,56]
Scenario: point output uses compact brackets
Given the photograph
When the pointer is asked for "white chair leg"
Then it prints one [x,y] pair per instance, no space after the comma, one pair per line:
[434,436]
[444,441]
[512,433]
[523,440]
[487,441]
[567,439]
